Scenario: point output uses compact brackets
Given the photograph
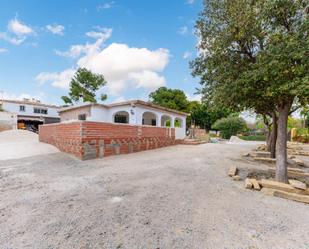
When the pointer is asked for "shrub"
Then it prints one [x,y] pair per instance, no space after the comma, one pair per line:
[230,126]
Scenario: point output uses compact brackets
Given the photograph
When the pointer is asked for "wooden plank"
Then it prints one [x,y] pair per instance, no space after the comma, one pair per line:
[248,183]
[293,172]
[280,186]
[265,159]
[255,184]
[232,171]
[297,184]
[298,162]
[292,196]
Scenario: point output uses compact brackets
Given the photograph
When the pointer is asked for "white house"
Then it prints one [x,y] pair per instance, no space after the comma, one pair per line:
[31,112]
[134,112]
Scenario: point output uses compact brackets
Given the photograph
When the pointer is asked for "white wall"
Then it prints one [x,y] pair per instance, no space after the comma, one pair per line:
[14,107]
[103,114]
[8,119]
[99,114]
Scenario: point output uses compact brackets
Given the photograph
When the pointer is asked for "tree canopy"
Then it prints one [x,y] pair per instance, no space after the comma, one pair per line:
[254,55]
[200,113]
[170,98]
[83,87]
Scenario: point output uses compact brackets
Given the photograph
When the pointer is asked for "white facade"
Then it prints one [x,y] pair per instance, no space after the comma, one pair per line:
[8,121]
[35,109]
[131,112]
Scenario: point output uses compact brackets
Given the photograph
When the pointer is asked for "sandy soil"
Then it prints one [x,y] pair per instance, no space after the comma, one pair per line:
[20,143]
[175,197]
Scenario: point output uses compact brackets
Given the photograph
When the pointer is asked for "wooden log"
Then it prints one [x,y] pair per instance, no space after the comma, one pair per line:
[232,171]
[292,196]
[281,186]
[297,184]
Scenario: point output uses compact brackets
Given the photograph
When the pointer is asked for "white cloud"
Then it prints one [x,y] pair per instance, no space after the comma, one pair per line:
[55,29]
[183,30]
[19,28]
[190,1]
[194,97]
[3,50]
[147,79]
[187,55]
[60,80]
[105,6]
[12,40]
[16,32]
[8,96]
[123,67]
[77,50]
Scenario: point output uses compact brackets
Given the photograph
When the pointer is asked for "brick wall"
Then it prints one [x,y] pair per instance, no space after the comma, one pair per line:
[88,140]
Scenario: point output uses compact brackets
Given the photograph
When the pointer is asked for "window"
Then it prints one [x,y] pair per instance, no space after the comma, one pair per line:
[22,108]
[82,117]
[40,110]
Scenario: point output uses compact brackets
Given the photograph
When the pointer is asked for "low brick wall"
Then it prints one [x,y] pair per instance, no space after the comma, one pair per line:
[89,140]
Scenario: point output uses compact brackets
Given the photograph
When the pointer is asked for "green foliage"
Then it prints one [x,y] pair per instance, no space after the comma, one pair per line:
[200,114]
[294,123]
[254,54]
[170,98]
[204,116]
[230,126]
[1,108]
[84,85]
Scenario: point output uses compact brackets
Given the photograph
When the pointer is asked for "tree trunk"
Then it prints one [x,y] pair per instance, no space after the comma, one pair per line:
[274,134]
[281,148]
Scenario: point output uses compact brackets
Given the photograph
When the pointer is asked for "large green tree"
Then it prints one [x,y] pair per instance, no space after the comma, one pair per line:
[83,87]
[254,55]
[170,98]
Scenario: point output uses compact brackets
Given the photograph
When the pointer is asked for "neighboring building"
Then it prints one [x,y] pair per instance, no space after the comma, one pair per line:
[8,121]
[31,113]
[135,112]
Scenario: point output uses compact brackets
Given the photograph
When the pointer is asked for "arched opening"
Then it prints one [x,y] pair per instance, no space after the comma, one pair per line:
[149,118]
[178,123]
[166,121]
[121,117]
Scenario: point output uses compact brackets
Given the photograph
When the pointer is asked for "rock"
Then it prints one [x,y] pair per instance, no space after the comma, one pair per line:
[280,186]
[232,171]
[248,183]
[255,184]
[292,196]
[236,178]
[297,184]
[291,156]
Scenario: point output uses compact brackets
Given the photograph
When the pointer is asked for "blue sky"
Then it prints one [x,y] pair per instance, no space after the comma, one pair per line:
[137,45]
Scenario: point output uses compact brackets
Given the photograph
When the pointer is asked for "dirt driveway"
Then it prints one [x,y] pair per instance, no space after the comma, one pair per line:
[21,143]
[175,197]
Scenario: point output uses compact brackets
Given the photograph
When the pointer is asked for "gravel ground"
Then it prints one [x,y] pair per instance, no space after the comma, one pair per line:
[21,143]
[175,197]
